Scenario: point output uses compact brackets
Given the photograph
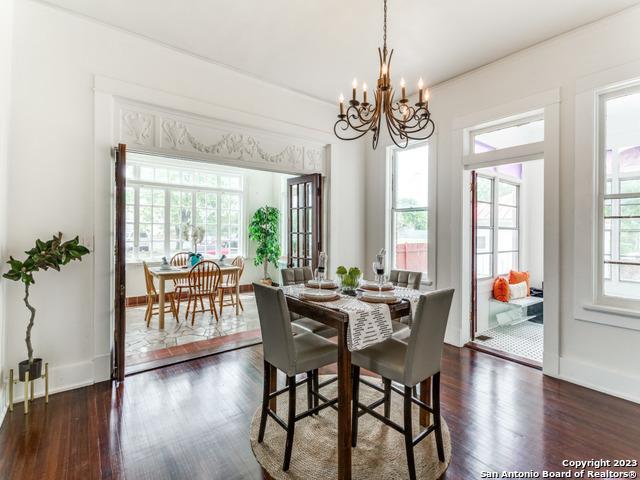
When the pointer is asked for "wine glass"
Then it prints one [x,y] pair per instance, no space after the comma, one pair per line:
[378,269]
[322,268]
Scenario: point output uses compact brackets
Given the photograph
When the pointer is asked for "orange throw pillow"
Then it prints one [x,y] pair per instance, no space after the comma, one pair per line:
[519,277]
[501,289]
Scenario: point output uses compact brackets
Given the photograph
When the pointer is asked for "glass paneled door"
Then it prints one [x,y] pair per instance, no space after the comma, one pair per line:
[304,220]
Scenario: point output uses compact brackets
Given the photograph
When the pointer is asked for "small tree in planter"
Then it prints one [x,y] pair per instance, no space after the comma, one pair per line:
[263,229]
[53,253]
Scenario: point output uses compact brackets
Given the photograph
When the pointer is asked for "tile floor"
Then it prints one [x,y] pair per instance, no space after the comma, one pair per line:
[523,339]
[142,341]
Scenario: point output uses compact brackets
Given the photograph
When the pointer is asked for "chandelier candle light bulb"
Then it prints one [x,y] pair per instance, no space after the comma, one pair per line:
[403,121]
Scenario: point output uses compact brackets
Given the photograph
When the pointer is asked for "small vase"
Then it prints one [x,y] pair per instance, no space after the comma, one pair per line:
[34,369]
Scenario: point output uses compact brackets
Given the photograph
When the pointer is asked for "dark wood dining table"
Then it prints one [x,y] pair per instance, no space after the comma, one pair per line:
[340,321]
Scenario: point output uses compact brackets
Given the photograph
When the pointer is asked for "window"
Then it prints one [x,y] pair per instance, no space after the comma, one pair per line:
[409,217]
[520,132]
[497,226]
[620,194]
[166,200]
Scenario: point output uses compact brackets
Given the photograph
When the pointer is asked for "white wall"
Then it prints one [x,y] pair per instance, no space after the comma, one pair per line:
[261,188]
[599,356]
[6,30]
[57,56]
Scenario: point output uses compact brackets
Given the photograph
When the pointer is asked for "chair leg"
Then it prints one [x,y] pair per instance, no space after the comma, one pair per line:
[240,302]
[387,397]
[173,306]
[436,415]
[195,307]
[408,433]
[265,401]
[178,293]
[355,394]
[220,299]
[149,312]
[215,311]
[291,423]
[310,389]
[186,313]
[316,388]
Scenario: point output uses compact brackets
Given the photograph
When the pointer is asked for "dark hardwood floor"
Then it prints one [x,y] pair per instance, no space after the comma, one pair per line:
[191,421]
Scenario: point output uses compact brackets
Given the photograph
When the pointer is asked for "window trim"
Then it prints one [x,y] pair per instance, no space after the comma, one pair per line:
[600,184]
[429,277]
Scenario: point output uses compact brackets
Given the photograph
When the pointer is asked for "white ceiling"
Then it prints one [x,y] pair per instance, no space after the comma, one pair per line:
[318,46]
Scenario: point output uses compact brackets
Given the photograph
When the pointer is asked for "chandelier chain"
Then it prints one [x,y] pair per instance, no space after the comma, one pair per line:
[384,38]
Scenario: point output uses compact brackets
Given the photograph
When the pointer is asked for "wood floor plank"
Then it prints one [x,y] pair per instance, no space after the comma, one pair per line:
[191,420]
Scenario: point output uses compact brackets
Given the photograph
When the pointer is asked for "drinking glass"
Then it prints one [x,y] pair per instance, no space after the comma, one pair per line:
[378,269]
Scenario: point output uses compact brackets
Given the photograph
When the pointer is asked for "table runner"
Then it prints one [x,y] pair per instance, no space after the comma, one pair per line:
[412,296]
[369,323]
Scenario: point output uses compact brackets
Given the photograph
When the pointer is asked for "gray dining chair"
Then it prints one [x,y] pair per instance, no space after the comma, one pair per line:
[407,364]
[291,355]
[406,278]
[301,325]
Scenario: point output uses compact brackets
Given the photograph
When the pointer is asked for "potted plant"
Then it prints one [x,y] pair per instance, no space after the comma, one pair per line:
[349,279]
[53,253]
[263,229]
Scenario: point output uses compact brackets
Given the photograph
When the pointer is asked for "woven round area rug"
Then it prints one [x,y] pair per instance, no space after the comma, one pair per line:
[380,453]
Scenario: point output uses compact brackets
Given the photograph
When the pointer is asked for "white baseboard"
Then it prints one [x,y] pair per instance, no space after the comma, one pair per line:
[603,380]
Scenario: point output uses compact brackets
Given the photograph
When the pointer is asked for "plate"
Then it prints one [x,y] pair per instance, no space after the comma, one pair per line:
[324,284]
[318,295]
[378,297]
[374,287]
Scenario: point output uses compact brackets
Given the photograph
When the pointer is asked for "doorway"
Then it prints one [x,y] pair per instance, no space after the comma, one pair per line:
[507,260]
[174,206]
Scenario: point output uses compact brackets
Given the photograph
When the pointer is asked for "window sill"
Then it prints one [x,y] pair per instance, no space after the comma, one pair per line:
[614,316]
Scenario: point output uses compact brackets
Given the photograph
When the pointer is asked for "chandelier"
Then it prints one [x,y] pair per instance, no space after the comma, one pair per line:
[404,121]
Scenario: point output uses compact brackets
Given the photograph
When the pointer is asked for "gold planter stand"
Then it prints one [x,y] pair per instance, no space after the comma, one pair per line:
[28,383]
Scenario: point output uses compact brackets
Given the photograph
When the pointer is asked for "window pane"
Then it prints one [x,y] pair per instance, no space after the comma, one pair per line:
[507,240]
[483,266]
[631,273]
[507,194]
[507,261]
[507,216]
[484,214]
[411,170]
[483,240]
[410,240]
[529,132]
[485,189]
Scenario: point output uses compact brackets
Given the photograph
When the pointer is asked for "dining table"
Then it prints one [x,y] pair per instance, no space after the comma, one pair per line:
[339,320]
[173,273]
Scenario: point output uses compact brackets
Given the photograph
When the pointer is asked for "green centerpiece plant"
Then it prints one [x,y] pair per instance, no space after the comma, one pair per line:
[264,230]
[53,254]
[349,279]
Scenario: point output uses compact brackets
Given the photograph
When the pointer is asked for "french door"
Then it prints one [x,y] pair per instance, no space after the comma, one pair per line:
[304,220]
[118,353]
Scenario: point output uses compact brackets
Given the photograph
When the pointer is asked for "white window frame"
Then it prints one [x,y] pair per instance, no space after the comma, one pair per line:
[429,277]
[137,183]
[601,179]
[496,179]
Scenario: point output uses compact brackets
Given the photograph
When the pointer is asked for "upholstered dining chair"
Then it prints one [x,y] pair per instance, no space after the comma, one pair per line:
[405,278]
[300,275]
[152,298]
[228,285]
[204,279]
[407,364]
[180,259]
[292,355]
